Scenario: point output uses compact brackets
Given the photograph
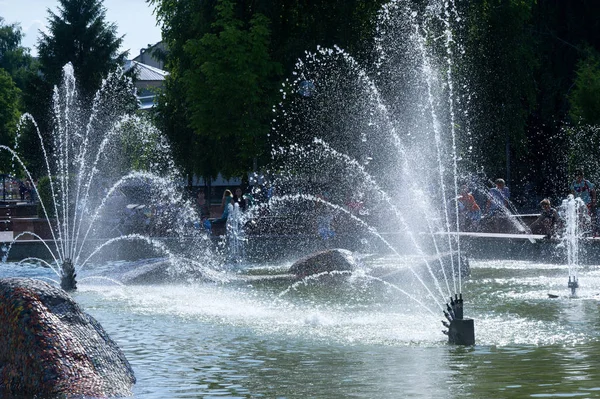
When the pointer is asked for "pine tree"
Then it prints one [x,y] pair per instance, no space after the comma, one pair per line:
[77,33]
[80,35]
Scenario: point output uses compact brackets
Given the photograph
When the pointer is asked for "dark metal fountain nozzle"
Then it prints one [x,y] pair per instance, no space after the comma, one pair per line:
[68,280]
[457,307]
[573,285]
[447,315]
[461,331]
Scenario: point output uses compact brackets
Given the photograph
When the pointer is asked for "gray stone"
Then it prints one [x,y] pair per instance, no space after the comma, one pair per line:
[324,261]
[147,272]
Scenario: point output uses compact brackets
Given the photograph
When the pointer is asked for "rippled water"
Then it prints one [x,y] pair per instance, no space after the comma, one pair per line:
[355,339]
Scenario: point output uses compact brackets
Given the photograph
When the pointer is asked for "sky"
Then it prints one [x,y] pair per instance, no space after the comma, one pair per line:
[134,19]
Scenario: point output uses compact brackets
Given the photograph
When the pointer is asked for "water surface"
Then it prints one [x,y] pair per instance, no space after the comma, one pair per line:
[354,339]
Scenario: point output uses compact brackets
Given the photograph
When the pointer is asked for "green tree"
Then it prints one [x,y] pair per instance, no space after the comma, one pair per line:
[16,67]
[501,63]
[14,58]
[231,89]
[299,26]
[80,35]
[228,58]
[182,20]
[9,116]
[525,54]
[9,107]
[584,97]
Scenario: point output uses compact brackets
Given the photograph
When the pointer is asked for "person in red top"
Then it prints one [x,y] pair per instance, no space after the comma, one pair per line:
[470,212]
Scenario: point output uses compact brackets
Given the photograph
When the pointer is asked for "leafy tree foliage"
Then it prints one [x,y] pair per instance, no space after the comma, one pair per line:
[9,110]
[227,60]
[584,97]
[182,21]
[14,58]
[523,57]
[16,68]
[526,68]
[231,88]
[300,26]
[500,65]
[222,84]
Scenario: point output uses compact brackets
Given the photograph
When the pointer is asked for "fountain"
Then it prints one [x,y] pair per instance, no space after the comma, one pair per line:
[235,236]
[350,332]
[103,160]
[374,151]
[574,213]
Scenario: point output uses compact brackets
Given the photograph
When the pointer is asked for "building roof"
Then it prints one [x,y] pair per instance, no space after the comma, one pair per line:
[153,55]
[145,72]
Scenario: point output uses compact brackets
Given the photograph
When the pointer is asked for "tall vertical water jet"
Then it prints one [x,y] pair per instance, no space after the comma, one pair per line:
[575,215]
[235,235]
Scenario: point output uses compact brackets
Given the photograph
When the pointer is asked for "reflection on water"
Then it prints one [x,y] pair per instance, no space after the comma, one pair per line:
[354,339]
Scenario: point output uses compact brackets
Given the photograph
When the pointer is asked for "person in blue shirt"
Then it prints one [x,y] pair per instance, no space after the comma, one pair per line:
[584,189]
[498,198]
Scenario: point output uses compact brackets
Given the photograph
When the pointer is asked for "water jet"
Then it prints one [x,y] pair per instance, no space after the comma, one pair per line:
[105,158]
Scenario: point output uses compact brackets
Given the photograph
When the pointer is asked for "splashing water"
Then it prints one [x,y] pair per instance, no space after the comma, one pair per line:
[575,214]
[98,160]
[373,147]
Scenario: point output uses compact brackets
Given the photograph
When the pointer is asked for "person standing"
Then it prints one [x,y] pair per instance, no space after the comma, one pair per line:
[240,199]
[547,222]
[226,206]
[584,189]
[497,214]
[469,210]
[498,198]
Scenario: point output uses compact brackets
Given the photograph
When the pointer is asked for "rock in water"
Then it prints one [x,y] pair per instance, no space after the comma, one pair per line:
[146,272]
[50,347]
[324,261]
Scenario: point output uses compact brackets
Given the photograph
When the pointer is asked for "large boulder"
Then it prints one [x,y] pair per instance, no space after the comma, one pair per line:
[50,347]
[324,261]
[151,271]
[158,271]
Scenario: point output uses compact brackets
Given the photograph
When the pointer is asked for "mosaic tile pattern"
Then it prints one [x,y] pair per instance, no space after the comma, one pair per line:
[50,347]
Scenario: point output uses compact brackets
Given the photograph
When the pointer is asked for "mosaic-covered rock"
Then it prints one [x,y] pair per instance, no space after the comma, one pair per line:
[50,347]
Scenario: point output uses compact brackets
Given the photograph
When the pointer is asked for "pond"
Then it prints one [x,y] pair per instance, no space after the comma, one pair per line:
[354,338]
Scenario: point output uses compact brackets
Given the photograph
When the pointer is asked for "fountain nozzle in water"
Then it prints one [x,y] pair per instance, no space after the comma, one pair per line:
[67,281]
[573,285]
[460,331]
